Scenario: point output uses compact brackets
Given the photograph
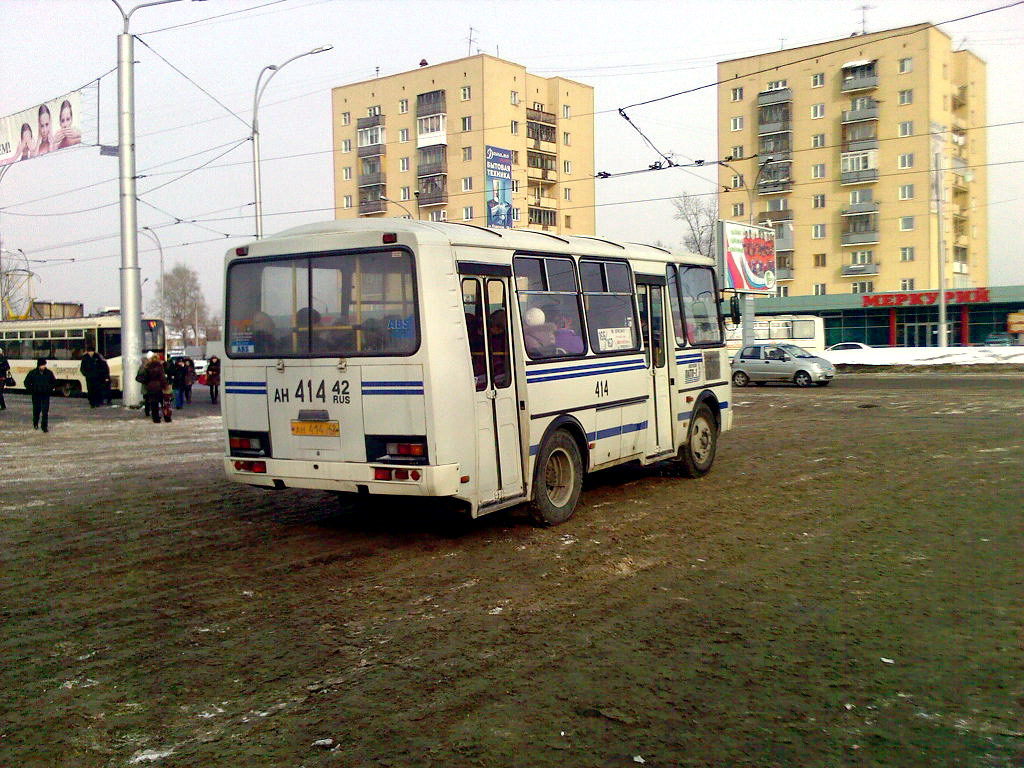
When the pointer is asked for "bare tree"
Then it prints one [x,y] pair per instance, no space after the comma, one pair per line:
[698,215]
[185,305]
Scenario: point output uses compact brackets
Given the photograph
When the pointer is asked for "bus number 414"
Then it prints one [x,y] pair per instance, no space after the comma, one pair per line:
[306,391]
[601,388]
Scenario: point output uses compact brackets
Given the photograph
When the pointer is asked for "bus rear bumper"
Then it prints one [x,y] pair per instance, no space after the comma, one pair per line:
[350,477]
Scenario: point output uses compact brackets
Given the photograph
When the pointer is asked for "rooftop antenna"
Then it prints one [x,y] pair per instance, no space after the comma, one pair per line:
[782,43]
[470,41]
[864,17]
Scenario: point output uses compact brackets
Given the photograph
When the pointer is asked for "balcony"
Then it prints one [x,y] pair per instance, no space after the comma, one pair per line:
[859,270]
[859,145]
[857,115]
[371,179]
[369,122]
[783,273]
[544,202]
[775,216]
[542,145]
[784,239]
[372,150]
[860,238]
[859,177]
[540,117]
[960,97]
[778,96]
[859,83]
[372,206]
[859,209]
[543,174]
[434,105]
[780,126]
[437,197]
[431,169]
[774,186]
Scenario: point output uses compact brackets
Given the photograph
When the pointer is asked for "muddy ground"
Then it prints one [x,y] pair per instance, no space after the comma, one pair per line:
[845,588]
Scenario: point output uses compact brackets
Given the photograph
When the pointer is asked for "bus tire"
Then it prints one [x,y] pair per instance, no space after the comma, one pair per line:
[558,480]
[697,454]
[802,379]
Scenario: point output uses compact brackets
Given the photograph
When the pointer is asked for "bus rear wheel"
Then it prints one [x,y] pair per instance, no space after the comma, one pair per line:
[558,480]
[697,454]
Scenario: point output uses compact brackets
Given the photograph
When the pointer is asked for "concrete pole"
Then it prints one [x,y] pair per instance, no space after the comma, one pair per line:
[943,335]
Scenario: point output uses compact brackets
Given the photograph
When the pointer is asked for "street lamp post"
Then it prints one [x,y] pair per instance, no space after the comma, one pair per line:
[152,233]
[131,288]
[395,202]
[257,95]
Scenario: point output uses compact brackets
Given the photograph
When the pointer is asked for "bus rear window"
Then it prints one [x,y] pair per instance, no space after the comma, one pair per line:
[338,305]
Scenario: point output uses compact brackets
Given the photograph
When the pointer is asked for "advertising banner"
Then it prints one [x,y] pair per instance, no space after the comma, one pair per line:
[746,256]
[42,129]
[499,186]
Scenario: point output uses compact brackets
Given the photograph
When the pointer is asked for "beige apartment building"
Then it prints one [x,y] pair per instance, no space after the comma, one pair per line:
[835,145]
[477,140]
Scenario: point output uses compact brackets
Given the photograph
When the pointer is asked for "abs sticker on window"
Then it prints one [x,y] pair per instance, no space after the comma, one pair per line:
[242,345]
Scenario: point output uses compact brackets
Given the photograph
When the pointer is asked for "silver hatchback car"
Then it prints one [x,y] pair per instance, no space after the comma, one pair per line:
[759,363]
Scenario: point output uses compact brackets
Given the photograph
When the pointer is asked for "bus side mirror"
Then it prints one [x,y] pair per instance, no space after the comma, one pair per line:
[734,309]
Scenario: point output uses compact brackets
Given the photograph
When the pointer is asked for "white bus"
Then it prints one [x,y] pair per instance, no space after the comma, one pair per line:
[63,342]
[495,367]
[806,331]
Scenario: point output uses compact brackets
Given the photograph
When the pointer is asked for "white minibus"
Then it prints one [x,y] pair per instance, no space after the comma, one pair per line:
[490,366]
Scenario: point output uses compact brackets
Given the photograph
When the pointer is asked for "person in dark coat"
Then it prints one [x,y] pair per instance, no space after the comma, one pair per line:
[154,382]
[179,377]
[5,369]
[213,378]
[190,378]
[40,382]
[94,376]
[106,396]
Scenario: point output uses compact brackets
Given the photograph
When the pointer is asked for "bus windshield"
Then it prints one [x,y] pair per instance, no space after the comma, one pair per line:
[333,305]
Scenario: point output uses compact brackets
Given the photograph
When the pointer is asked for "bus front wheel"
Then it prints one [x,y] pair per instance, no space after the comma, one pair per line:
[697,454]
[558,480]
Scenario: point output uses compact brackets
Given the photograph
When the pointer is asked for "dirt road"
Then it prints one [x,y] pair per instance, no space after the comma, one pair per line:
[844,588]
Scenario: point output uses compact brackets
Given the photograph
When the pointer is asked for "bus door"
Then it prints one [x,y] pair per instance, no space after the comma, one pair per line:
[499,470]
[651,300]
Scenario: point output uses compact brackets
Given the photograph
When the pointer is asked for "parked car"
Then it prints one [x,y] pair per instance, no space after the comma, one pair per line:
[761,363]
[847,346]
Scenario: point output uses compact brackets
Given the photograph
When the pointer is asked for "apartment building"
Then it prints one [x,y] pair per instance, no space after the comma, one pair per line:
[477,140]
[835,145]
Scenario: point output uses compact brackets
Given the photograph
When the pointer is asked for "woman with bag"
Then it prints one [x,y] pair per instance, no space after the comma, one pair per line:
[154,385]
[6,380]
[213,378]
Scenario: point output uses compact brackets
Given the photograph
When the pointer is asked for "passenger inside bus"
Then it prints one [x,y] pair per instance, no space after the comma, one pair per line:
[567,338]
[538,334]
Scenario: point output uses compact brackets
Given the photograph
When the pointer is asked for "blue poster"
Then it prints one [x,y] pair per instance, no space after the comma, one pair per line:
[499,187]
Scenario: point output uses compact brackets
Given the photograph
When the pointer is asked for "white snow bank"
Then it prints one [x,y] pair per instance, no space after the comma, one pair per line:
[926,356]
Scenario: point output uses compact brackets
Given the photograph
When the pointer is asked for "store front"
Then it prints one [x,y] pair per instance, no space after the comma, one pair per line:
[907,318]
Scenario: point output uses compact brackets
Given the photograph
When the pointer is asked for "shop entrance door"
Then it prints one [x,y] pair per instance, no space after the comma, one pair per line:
[923,334]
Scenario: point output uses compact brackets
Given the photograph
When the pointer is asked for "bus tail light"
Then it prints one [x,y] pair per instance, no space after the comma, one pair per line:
[381,473]
[245,443]
[406,449]
[248,444]
[395,473]
[257,467]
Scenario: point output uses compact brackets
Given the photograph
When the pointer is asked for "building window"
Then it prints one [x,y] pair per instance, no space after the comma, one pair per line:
[514,127]
[907,253]
[820,259]
[907,96]
[907,284]
[467,123]
[906,192]
[817,140]
[906,160]
[346,145]
[439,215]
[403,106]
[538,106]
[467,213]
[906,223]
[906,65]
[817,231]
[466,92]
[736,124]
[862,257]
[782,291]
[568,222]
[346,173]
[513,98]
[403,193]
[567,193]
[346,118]
[778,204]
[368,137]
[858,161]
[347,201]
[776,85]
[863,286]
[737,94]
[818,171]
[467,153]
[403,135]
[737,210]
[818,201]
[737,181]
[567,166]
[467,184]
[516,215]
[566,138]
[907,128]
[819,289]
[566,112]
[817,80]
[817,111]
[861,196]
[737,152]
[373,111]
[403,163]
[515,185]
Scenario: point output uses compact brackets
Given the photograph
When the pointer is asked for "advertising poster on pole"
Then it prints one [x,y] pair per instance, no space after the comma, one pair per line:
[498,163]
[746,257]
[39,130]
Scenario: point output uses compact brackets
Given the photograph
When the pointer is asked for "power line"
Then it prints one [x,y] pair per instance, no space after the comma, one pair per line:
[211,18]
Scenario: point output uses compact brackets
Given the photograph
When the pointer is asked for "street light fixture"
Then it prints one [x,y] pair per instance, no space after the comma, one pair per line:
[257,95]
[152,233]
[395,202]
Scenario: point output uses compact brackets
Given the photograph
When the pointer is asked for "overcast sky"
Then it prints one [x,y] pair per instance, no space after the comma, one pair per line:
[64,205]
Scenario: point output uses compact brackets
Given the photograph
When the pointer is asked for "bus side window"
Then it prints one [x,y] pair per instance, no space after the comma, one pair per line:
[610,306]
[472,307]
[672,277]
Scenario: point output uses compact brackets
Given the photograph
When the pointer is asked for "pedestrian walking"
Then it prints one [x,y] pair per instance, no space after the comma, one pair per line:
[93,373]
[5,373]
[40,382]
[190,378]
[106,397]
[140,377]
[179,374]
[213,378]
[154,383]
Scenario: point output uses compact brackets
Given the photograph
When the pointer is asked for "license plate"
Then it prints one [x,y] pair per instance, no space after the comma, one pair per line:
[316,428]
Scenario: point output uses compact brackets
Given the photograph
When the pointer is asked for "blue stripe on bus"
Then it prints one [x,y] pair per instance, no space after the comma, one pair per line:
[230,391]
[687,414]
[586,366]
[639,365]
[392,391]
[601,434]
[392,384]
[245,383]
